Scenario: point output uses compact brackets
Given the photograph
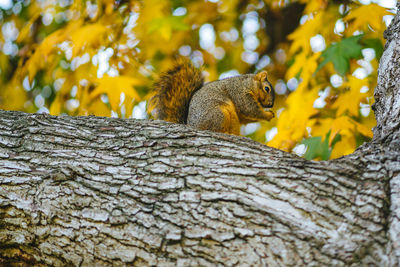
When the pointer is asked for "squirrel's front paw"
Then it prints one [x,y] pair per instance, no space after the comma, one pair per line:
[270,114]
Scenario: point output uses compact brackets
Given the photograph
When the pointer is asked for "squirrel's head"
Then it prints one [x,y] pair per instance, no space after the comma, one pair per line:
[265,93]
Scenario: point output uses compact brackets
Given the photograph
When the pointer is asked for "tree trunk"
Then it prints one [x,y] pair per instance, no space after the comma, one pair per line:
[90,191]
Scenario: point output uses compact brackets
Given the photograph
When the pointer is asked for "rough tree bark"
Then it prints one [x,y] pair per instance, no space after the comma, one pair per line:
[95,191]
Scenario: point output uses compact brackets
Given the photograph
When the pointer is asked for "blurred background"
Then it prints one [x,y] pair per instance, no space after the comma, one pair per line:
[102,57]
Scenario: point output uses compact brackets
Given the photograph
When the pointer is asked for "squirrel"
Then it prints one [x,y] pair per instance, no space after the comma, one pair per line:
[181,96]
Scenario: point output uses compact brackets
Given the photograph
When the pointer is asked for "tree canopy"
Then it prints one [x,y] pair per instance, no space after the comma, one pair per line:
[102,57]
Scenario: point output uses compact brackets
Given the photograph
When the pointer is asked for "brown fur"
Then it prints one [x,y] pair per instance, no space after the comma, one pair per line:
[219,106]
[231,122]
[260,95]
[174,90]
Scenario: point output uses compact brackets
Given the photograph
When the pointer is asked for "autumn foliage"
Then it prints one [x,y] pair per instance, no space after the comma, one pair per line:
[102,57]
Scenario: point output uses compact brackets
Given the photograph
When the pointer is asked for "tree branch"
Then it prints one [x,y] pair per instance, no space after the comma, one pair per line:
[93,190]
[387,107]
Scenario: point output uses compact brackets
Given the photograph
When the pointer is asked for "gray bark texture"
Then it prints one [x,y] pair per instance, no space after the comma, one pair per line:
[90,191]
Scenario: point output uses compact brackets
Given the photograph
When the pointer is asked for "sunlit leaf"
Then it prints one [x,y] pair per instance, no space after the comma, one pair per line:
[301,36]
[26,30]
[305,66]
[376,44]
[351,98]
[8,99]
[345,123]
[316,148]
[87,35]
[56,106]
[340,53]
[99,108]
[114,86]
[43,52]
[293,121]
[366,16]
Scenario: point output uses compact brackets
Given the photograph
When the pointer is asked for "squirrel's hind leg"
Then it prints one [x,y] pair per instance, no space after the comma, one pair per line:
[222,119]
[230,124]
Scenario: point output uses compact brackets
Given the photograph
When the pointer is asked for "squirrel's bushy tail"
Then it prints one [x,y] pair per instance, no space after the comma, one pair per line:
[174,89]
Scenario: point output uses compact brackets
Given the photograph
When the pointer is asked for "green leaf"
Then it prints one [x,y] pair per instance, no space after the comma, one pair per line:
[340,53]
[172,22]
[177,23]
[376,44]
[336,139]
[324,148]
[313,145]
[316,148]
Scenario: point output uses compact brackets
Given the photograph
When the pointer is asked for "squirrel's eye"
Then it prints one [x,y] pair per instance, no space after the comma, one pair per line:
[267,89]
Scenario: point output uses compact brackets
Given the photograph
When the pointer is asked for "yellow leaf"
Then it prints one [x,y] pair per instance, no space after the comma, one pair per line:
[314,5]
[99,108]
[366,15]
[113,87]
[128,108]
[12,96]
[345,146]
[152,9]
[43,51]
[47,48]
[26,30]
[306,65]
[301,36]
[321,126]
[346,128]
[345,123]
[56,105]
[351,99]
[293,121]
[342,123]
[87,35]
[166,32]
[84,100]
[364,130]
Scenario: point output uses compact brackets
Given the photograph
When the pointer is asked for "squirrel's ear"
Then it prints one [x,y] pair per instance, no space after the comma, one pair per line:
[261,76]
